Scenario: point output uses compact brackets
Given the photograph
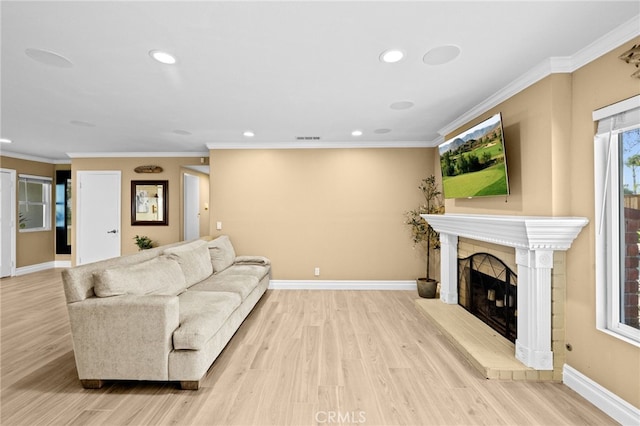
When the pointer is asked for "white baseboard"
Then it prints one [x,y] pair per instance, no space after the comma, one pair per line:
[616,407]
[34,268]
[341,285]
[23,270]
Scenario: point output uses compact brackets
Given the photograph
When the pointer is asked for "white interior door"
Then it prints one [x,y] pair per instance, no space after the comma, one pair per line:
[99,215]
[191,207]
[7,222]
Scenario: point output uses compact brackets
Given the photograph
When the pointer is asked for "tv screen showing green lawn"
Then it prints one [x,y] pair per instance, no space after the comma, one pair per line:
[473,162]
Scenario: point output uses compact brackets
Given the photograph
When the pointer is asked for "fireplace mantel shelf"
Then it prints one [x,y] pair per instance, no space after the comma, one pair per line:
[535,238]
[527,232]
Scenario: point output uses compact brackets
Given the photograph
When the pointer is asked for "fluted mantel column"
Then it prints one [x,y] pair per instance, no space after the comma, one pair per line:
[449,268]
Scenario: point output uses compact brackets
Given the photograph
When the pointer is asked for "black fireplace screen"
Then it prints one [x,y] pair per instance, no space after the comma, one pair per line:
[489,290]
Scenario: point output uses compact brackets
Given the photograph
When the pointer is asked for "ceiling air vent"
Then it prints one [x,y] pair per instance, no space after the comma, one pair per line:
[308,138]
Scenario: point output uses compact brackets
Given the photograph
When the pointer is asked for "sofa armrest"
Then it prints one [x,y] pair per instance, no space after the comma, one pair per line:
[123,337]
[252,260]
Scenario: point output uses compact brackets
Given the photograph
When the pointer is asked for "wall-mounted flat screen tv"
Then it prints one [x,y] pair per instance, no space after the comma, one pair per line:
[473,163]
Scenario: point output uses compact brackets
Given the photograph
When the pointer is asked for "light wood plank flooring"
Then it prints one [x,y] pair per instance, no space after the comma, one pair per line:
[301,358]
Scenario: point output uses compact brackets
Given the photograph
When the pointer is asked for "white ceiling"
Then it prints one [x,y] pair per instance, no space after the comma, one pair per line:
[280,69]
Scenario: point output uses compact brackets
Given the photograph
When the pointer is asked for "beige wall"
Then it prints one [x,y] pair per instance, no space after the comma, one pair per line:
[337,209]
[607,360]
[172,171]
[549,136]
[33,248]
[527,126]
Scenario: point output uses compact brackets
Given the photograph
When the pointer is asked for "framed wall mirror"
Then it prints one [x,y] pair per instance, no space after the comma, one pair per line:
[149,202]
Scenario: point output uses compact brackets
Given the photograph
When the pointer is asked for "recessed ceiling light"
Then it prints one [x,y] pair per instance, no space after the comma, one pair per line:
[48,58]
[391,56]
[356,133]
[381,131]
[401,105]
[441,55]
[5,140]
[248,134]
[181,132]
[82,123]
[163,57]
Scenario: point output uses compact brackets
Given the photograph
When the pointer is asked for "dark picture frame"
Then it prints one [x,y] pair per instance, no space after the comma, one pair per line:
[150,202]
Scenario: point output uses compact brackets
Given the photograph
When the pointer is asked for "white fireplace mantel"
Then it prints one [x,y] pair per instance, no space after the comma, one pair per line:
[535,238]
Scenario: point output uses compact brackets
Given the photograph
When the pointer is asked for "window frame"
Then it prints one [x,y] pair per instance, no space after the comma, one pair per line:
[609,212]
[47,184]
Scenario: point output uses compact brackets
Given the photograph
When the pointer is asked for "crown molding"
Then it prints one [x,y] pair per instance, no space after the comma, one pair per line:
[136,154]
[562,64]
[532,76]
[437,141]
[318,145]
[613,39]
[33,158]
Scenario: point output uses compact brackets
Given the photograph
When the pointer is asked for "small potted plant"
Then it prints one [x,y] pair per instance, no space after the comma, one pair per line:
[423,234]
[22,220]
[143,242]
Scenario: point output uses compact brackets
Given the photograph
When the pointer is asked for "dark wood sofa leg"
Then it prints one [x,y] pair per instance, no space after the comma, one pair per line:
[92,384]
[189,384]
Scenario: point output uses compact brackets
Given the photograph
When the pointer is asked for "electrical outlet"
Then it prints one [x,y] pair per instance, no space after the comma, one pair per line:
[219,226]
[316,272]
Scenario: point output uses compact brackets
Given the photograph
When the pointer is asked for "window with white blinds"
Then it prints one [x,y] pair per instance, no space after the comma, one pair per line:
[617,186]
[34,203]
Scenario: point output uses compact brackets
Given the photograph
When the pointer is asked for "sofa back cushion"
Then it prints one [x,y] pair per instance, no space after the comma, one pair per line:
[222,253]
[160,275]
[194,260]
[79,280]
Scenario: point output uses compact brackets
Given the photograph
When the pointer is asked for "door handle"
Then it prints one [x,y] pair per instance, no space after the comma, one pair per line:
[113,231]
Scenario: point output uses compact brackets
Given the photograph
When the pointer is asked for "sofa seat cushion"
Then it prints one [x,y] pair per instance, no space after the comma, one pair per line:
[241,284]
[258,271]
[202,314]
[160,275]
[194,260]
[222,253]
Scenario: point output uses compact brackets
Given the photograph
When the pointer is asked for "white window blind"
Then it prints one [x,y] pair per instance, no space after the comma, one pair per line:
[615,124]
[34,203]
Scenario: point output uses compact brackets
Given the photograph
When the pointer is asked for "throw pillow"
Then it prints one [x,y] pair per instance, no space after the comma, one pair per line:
[160,275]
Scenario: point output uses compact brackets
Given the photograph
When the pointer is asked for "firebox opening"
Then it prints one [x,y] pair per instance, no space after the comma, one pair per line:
[488,289]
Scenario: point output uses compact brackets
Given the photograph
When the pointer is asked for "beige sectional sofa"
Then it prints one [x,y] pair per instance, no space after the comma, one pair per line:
[161,314]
